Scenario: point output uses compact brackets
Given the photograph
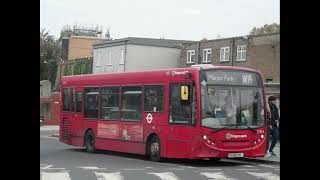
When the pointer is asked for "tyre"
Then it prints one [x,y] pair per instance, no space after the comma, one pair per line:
[90,142]
[155,149]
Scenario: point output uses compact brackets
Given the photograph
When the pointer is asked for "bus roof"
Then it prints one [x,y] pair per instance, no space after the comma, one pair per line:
[144,75]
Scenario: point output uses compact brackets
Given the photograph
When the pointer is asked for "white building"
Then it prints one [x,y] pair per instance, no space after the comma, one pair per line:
[135,54]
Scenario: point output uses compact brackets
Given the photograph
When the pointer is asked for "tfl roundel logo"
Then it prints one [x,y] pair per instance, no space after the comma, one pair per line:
[228,135]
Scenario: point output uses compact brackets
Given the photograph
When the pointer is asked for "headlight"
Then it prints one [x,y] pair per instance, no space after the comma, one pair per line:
[204,137]
[262,136]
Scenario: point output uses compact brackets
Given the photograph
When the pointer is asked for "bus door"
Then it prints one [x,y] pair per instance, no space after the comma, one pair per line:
[77,119]
[67,111]
[182,119]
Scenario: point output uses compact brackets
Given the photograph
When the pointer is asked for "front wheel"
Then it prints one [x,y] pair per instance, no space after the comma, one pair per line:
[155,149]
[90,142]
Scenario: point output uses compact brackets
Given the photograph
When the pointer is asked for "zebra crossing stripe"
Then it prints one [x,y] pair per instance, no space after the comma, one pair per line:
[108,176]
[55,175]
[166,176]
[267,175]
[268,166]
[91,168]
[215,175]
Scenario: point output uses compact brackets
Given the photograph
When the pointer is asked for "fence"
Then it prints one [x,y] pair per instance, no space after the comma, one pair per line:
[77,66]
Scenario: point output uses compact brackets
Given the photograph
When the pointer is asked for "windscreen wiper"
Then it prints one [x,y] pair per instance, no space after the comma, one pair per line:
[219,129]
[239,124]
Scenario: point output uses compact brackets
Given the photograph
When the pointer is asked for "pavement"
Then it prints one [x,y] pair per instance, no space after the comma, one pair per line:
[65,162]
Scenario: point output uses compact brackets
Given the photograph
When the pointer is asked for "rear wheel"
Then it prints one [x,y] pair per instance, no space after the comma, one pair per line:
[155,149]
[90,142]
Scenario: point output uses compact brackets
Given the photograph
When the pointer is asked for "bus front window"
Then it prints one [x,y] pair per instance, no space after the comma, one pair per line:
[231,105]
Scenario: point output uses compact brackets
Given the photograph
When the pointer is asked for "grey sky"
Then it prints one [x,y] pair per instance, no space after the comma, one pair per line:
[171,19]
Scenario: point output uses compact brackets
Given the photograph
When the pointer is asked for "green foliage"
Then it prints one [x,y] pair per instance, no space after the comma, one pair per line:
[266,29]
[78,66]
[50,55]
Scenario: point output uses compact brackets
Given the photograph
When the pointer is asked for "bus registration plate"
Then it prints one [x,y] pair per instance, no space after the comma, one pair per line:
[234,155]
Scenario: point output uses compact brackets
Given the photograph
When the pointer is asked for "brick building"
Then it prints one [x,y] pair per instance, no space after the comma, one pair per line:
[260,52]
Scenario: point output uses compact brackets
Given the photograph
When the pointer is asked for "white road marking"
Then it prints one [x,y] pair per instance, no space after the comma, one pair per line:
[134,169]
[48,166]
[211,169]
[149,167]
[216,175]
[166,175]
[91,168]
[48,137]
[55,175]
[247,169]
[268,175]
[248,166]
[108,176]
[186,167]
[268,166]
[173,169]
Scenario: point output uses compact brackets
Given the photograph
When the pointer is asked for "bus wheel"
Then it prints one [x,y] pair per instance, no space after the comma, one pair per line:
[90,142]
[155,149]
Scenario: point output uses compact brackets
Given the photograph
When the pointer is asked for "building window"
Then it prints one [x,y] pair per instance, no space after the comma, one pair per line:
[224,54]
[98,57]
[91,103]
[241,52]
[269,80]
[78,101]
[191,56]
[110,103]
[207,55]
[131,101]
[121,57]
[109,59]
[153,98]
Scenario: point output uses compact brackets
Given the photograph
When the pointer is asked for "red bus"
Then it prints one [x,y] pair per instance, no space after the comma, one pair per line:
[198,112]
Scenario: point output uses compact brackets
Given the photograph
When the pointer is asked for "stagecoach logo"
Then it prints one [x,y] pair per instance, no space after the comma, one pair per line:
[149,118]
[228,136]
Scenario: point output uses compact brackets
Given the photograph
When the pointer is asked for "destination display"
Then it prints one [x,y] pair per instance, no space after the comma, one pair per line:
[240,78]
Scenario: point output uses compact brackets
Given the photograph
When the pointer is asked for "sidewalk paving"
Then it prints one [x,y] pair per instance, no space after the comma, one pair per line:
[270,159]
[49,128]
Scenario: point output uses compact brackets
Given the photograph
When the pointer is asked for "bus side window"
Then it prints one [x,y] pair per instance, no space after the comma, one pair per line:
[66,100]
[153,98]
[78,101]
[180,111]
[131,100]
[91,101]
[73,100]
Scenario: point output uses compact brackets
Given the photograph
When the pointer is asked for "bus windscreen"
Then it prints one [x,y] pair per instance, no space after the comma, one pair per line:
[231,99]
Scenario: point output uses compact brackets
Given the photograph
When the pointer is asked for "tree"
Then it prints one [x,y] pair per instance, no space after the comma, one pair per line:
[267,28]
[50,54]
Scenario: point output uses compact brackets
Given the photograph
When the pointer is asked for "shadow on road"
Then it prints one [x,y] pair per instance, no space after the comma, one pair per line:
[183,162]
